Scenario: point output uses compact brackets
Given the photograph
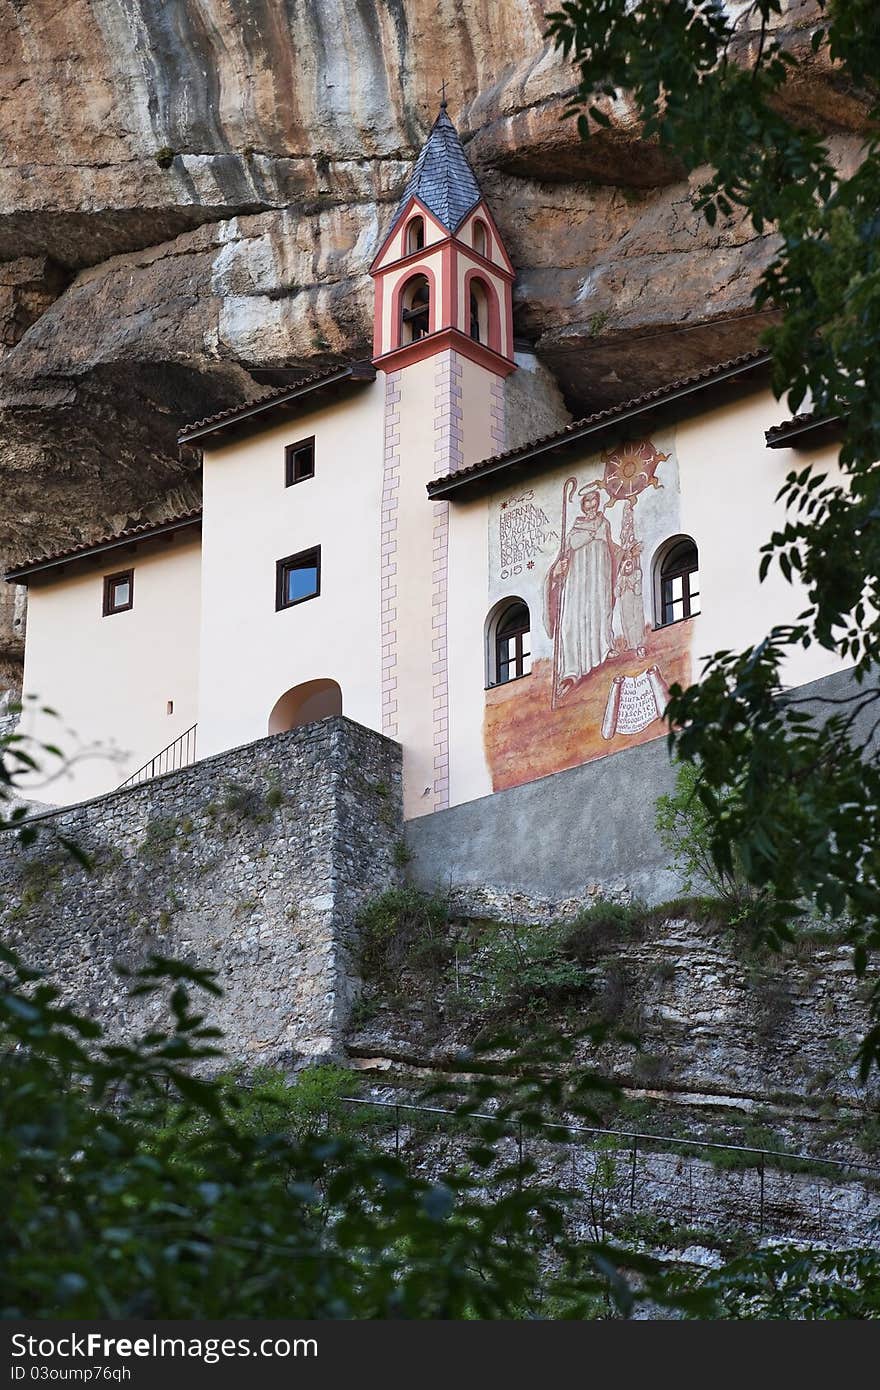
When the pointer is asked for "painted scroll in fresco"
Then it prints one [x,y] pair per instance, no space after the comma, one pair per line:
[634,702]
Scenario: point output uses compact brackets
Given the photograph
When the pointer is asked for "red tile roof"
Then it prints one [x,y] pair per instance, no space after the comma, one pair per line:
[272,400]
[143,531]
[601,420]
[801,427]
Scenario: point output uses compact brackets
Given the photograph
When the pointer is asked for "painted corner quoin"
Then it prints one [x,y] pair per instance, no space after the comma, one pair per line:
[581,549]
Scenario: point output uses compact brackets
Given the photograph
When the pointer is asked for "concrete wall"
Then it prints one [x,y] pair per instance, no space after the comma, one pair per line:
[252,864]
[110,678]
[587,830]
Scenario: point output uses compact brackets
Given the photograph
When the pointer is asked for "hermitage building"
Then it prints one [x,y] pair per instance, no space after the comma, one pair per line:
[427,543]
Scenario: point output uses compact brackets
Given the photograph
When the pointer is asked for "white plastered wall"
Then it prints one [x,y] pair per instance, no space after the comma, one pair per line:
[110,678]
[252,654]
[436,587]
[477,420]
[729,480]
[469,775]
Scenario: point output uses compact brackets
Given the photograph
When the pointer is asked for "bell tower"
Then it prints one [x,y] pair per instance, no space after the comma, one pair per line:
[443,337]
[442,276]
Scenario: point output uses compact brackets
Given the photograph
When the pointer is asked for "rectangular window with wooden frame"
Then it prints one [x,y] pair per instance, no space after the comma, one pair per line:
[118,592]
[299,461]
[298,578]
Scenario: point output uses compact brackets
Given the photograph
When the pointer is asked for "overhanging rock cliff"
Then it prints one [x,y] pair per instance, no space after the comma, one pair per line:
[190,196]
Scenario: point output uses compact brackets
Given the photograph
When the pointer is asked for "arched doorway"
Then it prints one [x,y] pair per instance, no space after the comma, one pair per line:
[304,704]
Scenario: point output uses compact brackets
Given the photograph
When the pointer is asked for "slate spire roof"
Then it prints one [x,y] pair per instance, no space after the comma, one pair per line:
[442,178]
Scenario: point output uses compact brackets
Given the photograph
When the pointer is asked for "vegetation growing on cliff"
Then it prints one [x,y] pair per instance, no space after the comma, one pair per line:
[131,1187]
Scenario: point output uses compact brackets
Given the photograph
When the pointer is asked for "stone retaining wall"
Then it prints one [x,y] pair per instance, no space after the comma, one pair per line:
[252,863]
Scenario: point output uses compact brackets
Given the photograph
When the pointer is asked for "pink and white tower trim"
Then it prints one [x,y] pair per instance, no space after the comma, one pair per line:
[442,276]
[443,335]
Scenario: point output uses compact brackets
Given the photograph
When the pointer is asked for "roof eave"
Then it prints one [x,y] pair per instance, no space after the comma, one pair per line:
[795,436]
[21,573]
[356,372]
[569,438]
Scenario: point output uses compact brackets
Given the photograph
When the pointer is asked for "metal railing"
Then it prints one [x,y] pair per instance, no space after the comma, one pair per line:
[178,754]
[774,1159]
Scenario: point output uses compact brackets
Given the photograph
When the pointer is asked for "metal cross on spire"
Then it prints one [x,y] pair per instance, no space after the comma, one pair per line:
[443,102]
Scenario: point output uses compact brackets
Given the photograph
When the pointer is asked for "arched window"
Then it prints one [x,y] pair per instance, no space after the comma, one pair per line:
[677,581]
[479,312]
[481,240]
[415,310]
[415,235]
[509,644]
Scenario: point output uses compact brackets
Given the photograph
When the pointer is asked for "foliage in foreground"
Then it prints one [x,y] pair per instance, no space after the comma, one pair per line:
[687,832]
[792,803]
[131,1187]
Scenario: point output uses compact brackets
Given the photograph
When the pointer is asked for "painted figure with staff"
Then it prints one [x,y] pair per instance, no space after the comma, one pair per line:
[579,591]
[593,575]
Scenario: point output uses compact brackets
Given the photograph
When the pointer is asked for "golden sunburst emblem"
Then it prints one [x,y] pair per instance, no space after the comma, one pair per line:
[630,469]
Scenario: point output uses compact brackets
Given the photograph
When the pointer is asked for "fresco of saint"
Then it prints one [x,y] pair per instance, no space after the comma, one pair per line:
[600,668]
[579,595]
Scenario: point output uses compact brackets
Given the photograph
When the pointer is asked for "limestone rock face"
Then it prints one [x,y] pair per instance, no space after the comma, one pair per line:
[191,192]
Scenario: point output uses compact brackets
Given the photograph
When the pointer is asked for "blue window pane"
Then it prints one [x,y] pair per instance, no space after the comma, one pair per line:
[301,583]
